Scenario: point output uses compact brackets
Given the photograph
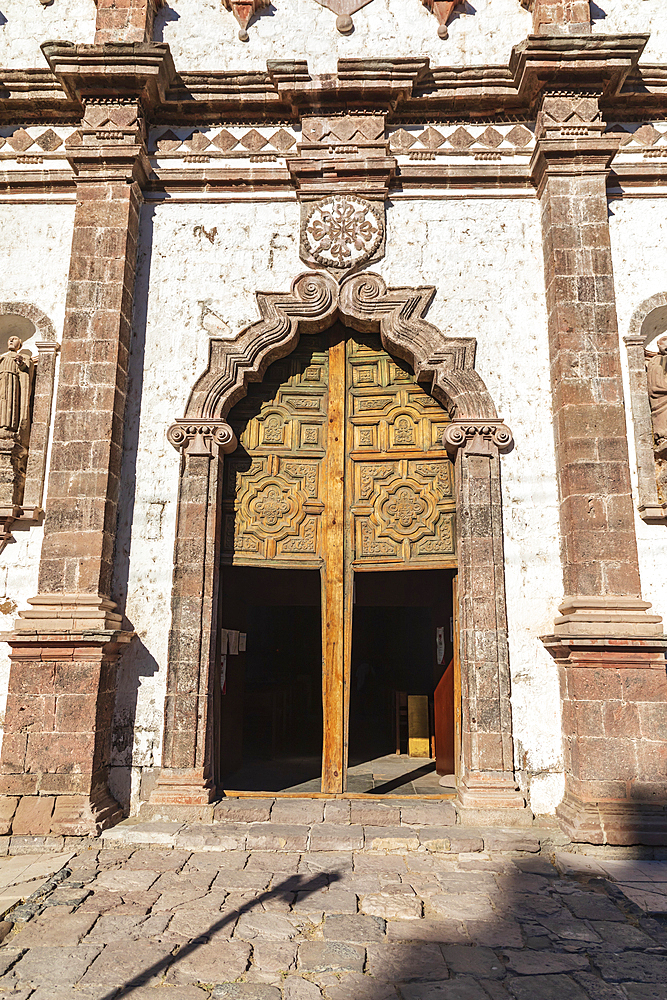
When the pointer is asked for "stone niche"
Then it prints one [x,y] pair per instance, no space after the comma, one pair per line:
[648,330]
[27,368]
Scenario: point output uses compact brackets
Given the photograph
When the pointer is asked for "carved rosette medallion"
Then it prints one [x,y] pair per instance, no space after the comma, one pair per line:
[342,232]
[273,508]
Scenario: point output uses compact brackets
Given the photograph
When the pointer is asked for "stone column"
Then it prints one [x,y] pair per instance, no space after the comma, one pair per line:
[187,772]
[610,650]
[488,791]
[560,17]
[126,20]
[65,647]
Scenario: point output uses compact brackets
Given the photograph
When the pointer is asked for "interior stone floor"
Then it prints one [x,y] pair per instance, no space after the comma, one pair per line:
[392,774]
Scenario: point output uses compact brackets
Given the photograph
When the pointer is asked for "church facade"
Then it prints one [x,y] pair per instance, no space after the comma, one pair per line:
[333,408]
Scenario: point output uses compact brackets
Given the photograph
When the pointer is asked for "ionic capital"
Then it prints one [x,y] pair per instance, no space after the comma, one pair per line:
[477,437]
[202,437]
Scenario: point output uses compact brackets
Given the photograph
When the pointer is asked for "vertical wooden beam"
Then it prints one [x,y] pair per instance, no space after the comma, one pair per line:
[333,578]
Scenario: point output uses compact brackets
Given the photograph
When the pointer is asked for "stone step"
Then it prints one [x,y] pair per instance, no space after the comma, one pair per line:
[322,837]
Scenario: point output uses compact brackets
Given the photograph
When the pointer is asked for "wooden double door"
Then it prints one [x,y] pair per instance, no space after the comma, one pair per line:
[340,468]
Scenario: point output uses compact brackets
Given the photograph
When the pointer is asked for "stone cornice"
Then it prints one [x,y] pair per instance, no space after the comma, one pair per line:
[141,71]
[602,62]
[401,88]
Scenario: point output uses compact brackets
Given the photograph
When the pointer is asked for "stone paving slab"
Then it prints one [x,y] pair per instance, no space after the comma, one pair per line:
[149,922]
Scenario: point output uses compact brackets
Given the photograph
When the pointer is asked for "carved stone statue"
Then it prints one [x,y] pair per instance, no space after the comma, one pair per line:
[11,366]
[656,372]
[16,374]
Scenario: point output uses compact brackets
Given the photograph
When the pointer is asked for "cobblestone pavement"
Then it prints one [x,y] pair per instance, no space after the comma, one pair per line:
[168,924]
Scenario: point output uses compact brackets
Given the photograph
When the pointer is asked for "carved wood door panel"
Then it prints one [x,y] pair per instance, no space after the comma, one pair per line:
[273,485]
[400,480]
[340,466]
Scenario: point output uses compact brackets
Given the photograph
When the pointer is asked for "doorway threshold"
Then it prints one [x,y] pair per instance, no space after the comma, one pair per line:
[393,776]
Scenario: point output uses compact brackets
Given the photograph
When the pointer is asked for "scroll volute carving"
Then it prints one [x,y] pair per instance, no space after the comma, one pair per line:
[16,379]
[656,374]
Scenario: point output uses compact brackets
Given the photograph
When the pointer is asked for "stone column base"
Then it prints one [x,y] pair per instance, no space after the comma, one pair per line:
[614,700]
[183,787]
[57,739]
[58,815]
[615,822]
[492,800]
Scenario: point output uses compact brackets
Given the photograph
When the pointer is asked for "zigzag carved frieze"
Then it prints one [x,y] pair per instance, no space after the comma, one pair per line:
[365,303]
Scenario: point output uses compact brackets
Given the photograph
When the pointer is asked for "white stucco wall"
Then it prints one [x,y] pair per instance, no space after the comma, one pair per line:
[25,24]
[34,263]
[485,257]
[194,283]
[639,248]
[611,17]
[203,35]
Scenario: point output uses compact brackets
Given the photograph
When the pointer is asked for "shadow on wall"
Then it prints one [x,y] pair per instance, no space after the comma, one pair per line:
[3,19]
[163,16]
[597,13]
[136,661]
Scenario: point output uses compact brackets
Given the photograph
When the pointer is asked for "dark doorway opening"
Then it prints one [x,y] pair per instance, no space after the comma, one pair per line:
[402,655]
[271,706]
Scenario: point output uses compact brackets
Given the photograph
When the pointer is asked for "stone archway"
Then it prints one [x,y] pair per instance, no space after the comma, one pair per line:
[475,437]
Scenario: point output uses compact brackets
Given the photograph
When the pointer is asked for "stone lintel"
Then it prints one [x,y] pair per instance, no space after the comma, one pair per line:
[341,173]
[601,62]
[115,70]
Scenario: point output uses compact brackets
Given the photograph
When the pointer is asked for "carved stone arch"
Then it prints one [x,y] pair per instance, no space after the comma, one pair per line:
[363,302]
[43,327]
[648,321]
[474,438]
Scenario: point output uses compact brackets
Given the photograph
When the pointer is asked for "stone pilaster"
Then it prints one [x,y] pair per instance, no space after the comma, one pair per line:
[185,777]
[560,17]
[65,646]
[125,20]
[488,789]
[609,649]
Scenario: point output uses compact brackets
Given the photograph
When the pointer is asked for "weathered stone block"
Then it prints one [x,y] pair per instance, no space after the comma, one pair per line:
[33,815]
[8,804]
[331,956]
[428,814]
[357,928]
[243,811]
[301,812]
[386,838]
[374,813]
[327,837]
[270,837]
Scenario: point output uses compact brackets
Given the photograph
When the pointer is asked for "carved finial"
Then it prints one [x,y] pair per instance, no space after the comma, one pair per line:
[344,9]
[443,10]
[243,11]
